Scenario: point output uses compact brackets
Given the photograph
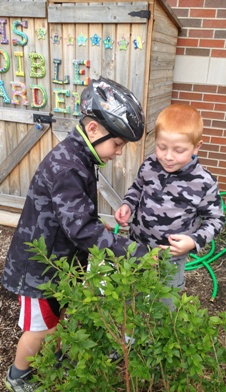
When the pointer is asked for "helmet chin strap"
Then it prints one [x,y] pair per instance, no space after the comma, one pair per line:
[82,132]
[102,139]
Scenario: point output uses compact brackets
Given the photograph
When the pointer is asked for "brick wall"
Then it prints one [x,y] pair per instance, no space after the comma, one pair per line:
[200,74]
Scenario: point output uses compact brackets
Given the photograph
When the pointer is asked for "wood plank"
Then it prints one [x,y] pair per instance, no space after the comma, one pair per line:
[109,193]
[64,125]
[11,202]
[20,151]
[94,14]
[11,219]
[11,135]
[170,13]
[22,130]
[20,115]
[90,2]
[4,186]
[108,71]
[24,9]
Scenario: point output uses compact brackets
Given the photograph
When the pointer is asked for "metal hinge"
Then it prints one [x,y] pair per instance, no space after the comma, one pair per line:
[141,14]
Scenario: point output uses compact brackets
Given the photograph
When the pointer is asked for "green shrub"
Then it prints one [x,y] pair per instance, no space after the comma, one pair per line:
[119,299]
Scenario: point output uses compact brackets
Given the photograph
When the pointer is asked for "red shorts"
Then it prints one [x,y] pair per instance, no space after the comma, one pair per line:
[38,314]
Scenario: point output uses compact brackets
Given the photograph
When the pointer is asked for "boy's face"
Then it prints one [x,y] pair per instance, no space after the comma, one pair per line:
[108,149]
[174,150]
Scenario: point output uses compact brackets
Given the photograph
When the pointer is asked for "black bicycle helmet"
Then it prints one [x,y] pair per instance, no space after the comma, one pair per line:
[115,107]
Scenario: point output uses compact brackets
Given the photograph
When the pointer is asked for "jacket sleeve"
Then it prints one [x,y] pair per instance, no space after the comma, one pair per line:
[212,217]
[77,215]
[133,195]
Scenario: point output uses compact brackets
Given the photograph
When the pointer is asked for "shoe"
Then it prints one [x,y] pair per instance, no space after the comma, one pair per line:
[20,384]
[115,356]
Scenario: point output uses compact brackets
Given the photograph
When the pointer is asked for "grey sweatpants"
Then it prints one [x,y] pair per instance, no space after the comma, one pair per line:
[177,280]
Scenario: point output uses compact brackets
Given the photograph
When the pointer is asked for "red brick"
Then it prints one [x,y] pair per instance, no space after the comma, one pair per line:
[222,149]
[206,141]
[222,164]
[212,43]
[215,155]
[191,96]
[210,147]
[172,3]
[220,34]
[191,3]
[208,162]
[221,14]
[191,22]
[214,98]
[198,33]
[197,52]
[207,123]
[213,115]
[203,13]
[222,183]
[202,154]
[214,131]
[218,53]
[175,94]
[213,23]
[217,171]
[205,88]
[219,124]
[220,107]
[222,90]
[183,86]
[203,106]
[181,12]
[218,140]
[180,51]
[215,3]
[191,42]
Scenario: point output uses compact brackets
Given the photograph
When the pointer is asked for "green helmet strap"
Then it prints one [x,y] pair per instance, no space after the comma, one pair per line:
[92,149]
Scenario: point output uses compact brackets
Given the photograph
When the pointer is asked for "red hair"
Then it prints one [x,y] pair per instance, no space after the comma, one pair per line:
[180,118]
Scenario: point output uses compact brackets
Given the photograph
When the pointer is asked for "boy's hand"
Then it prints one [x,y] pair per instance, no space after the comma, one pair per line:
[122,215]
[179,244]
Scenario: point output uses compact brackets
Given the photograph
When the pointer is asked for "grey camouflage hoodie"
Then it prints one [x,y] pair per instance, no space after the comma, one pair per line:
[183,202]
[61,204]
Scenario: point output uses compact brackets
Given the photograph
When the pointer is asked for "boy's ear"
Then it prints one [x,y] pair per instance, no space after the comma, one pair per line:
[92,129]
[198,145]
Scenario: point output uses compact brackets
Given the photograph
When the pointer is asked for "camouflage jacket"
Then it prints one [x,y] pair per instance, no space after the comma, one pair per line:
[61,205]
[183,202]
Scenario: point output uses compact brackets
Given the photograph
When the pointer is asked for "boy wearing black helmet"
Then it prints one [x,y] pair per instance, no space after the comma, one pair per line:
[61,205]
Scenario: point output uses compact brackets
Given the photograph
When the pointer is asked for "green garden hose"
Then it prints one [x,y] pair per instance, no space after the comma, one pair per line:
[204,261]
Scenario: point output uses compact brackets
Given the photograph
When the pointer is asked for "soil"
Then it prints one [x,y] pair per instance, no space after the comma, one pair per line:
[198,282]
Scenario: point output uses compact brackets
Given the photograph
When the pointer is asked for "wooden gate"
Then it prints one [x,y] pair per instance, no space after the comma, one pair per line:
[46,61]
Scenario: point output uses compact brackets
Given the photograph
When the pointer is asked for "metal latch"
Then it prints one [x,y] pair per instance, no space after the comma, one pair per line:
[40,119]
[141,14]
